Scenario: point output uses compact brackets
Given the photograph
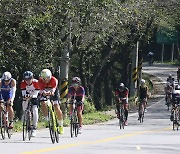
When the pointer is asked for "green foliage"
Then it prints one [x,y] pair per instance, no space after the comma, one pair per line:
[34,35]
[88,107]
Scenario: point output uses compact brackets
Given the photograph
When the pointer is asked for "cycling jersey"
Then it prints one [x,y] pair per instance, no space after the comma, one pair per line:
[122,94]
[7,91]
[32,89]
[142,92]
[79,93]
[51,85]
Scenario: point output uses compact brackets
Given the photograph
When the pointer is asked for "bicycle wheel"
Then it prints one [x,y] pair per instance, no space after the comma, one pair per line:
[51,126]
[141,112]
[76,125]
[57,131]
[30,125]
[2,125]
[25,127]
[121,119]
[72,125]
[174,120]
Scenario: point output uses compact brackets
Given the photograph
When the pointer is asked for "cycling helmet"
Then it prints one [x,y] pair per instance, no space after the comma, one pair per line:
[121,85]
[6,76]
[27,75]
[76,79]
[143,81]
[170,75]
[46,74]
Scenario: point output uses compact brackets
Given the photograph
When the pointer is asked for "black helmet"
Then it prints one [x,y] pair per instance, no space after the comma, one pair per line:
[27,75]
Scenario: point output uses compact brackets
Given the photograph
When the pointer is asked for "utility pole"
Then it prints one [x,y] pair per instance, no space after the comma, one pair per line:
[134,70]
[64,65]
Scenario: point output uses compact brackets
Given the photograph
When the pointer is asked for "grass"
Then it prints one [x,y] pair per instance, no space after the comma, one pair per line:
[89,118]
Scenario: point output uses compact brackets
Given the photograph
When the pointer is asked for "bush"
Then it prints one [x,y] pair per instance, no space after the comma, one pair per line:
[88,107]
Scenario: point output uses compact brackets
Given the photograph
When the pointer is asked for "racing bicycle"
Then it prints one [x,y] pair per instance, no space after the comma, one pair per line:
[74,124]
[4,122]
[121,114]
[141,110]
[53,122]
[28,120]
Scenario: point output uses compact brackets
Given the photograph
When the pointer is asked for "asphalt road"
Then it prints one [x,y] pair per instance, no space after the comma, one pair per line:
[154,136]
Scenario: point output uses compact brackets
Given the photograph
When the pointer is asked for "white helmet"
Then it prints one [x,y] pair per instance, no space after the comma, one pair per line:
[143,81]
[6,76]
[46,74]
[76,79]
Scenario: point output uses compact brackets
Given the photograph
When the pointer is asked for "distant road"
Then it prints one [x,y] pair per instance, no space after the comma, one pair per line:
[154,136]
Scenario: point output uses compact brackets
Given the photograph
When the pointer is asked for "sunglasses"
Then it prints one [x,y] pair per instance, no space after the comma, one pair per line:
[6,80]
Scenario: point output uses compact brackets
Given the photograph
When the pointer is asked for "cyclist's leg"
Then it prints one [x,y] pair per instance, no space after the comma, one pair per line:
[35,112]
[44,109]
[56,103]
[10,115]
[59,116]
[24,106]
[172,112]
[117,109]
[126,112]
[80,117]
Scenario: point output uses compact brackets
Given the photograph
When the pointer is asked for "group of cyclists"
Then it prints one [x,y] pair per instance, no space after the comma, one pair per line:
[37,90]
[171,94]
[47,85]
[122,93]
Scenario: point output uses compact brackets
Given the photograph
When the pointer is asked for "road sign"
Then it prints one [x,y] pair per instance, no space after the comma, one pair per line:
[164,36]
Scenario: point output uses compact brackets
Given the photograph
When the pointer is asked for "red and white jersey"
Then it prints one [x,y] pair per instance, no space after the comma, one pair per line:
[32,89]
[51,85]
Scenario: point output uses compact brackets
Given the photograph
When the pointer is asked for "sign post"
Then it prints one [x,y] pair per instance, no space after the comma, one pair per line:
[166,36]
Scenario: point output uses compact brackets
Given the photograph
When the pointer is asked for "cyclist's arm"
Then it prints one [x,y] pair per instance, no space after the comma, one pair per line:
[13,90]
[1,98]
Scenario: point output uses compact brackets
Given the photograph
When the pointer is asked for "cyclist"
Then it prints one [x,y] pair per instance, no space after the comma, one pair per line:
[77,91]
[170,79]
[143,93]
[175,99]
[151,58]
[168,91]
[122,95]
[178,75]
[30,88]
[7,94]
[48,87]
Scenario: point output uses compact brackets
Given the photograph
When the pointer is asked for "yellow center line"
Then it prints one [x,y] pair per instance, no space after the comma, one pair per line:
[94,142]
